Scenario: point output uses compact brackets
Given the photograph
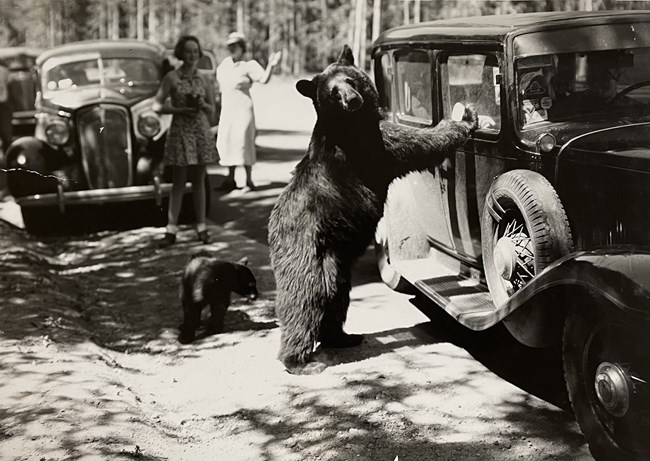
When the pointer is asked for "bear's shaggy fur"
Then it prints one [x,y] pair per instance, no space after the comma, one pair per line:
[326,216]
[207,280]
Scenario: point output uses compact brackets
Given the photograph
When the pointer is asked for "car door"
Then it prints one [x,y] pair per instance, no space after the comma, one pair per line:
[476,78]
[414,104]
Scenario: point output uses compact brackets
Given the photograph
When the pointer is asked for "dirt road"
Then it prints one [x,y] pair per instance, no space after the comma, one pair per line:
[90,367]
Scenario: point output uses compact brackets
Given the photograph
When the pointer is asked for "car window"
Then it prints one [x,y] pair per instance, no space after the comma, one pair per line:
[413,77]
[115,71]
[571,86]
[472,78]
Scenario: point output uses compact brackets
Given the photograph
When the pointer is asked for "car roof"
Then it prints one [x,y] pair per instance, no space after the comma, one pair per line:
[494,28]
[106,48]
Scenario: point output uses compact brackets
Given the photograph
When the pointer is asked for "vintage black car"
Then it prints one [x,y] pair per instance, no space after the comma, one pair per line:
[21,63]
[539,221]
[97,140]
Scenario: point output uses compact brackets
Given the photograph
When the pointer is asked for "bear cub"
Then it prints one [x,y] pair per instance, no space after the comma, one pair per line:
[207,280]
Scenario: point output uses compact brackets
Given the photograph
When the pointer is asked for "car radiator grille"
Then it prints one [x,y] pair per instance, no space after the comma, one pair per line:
[104,138]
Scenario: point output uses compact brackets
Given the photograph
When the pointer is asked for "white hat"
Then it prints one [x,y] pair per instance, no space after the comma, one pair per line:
[235,37]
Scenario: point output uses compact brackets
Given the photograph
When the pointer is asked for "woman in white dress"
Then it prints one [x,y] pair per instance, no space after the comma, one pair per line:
[236,134]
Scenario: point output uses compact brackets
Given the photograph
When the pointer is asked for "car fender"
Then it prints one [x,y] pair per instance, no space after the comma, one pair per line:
[618,276]
[34,151]
[27,167]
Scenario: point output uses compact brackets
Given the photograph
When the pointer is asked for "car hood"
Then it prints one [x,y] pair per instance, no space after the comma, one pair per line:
[626,147]
[74,98]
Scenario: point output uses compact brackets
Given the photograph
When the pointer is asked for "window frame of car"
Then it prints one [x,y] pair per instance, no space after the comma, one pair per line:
[403,94]
[437,51]
[442,59]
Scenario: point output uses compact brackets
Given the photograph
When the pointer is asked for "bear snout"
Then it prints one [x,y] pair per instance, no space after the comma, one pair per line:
[349,99]
[353,104]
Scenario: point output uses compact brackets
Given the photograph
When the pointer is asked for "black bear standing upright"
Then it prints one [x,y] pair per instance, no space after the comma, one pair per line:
[327,215]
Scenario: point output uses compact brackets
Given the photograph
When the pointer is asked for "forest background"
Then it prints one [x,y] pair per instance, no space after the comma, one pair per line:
[310,33]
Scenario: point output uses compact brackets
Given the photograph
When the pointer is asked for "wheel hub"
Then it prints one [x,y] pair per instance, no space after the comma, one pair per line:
[505,257]
[612,388]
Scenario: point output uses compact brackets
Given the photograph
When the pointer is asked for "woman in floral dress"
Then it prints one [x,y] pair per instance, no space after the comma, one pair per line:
[236,133]
[189,145]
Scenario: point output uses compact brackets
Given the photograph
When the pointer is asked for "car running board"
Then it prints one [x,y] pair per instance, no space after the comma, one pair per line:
[463,297]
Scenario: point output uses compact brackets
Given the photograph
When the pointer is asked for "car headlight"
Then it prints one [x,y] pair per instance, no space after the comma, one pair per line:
[148,125]
[545,142]
[57,132]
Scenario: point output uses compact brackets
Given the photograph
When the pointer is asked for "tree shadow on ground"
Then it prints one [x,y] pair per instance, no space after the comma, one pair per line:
[118,289]
[88,421]
[535,370]
[313,428]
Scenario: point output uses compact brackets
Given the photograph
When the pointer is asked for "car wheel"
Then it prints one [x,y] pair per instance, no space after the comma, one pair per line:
[523,230]
[388,275]
[607,373]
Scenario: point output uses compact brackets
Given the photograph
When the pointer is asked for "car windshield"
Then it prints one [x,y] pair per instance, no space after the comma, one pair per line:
[603,84]
[105,72]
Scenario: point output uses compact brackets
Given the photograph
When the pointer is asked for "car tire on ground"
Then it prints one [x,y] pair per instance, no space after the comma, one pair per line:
[605,363]
[524,229]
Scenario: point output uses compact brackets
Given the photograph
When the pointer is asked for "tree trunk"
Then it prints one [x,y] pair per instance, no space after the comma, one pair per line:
[240,16]
[52,29]
[324,33]
[115,20]
[376,19]
[359,42]
[132,16]
[178,19]
[586,5]
[140,19]
[273,29]
[167,24]
[297,50]
[416,11]
[152,22]
[356,36]
[406,11]
[351,22]
[363,34]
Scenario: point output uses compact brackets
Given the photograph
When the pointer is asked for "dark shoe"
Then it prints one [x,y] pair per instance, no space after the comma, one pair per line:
[204,237]
[227,185]
[168,240]
[251,186]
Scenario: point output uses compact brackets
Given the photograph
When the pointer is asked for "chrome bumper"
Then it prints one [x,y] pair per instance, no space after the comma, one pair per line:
[61,198]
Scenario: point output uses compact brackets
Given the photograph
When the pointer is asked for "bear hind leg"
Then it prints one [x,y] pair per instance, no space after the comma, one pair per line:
[331,333]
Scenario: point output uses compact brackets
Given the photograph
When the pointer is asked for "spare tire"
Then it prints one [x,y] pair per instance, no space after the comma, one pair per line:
[524,229]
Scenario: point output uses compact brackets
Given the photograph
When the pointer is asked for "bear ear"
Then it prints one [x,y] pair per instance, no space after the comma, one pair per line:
[243,261]
[346,58]
[306,88]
